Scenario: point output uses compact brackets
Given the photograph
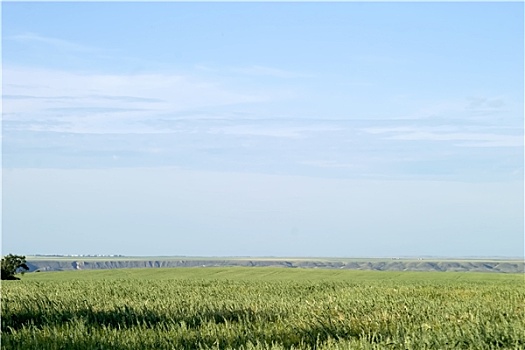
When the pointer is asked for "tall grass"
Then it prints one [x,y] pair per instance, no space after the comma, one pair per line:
[238,312]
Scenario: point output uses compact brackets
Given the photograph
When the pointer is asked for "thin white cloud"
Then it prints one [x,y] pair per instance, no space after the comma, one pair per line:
[241,130]
[466,135]
[329,164]
[54,42]
[470,139]
[86,100]
[384,130]
[269,71]
[478,108]
[485,103]
[254,70]
[273,130]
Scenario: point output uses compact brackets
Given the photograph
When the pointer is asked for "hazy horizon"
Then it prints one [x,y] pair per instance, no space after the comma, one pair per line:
[277,257]
[347,129]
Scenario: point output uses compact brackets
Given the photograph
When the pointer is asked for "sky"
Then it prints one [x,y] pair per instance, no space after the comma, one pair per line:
[346,129]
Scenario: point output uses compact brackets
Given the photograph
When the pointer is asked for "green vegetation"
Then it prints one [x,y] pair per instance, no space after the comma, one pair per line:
[263,308]
[13,264]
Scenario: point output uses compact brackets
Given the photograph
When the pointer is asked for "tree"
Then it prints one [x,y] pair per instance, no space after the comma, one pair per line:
[13,264]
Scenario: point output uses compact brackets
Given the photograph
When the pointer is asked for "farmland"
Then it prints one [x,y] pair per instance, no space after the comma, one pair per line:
[263,308]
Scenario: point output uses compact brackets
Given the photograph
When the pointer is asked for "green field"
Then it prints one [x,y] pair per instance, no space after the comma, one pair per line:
[263,308]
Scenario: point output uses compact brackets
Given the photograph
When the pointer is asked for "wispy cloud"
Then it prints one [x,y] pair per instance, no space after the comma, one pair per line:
[469,139]
[241,130]
[274,129]
[132,98]
[484,106]
[468,109]
[57,43]
[254,70]
[80,98]
[269,71]
[449,134]
[128,98]
[485,102]
[330,164]
[201,120]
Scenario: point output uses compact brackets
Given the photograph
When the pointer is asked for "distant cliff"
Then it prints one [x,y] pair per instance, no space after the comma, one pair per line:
[500,266]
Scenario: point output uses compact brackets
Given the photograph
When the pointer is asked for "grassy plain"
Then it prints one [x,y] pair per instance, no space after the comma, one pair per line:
[263,308]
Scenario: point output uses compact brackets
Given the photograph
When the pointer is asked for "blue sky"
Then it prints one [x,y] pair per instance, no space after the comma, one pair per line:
[288,129]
